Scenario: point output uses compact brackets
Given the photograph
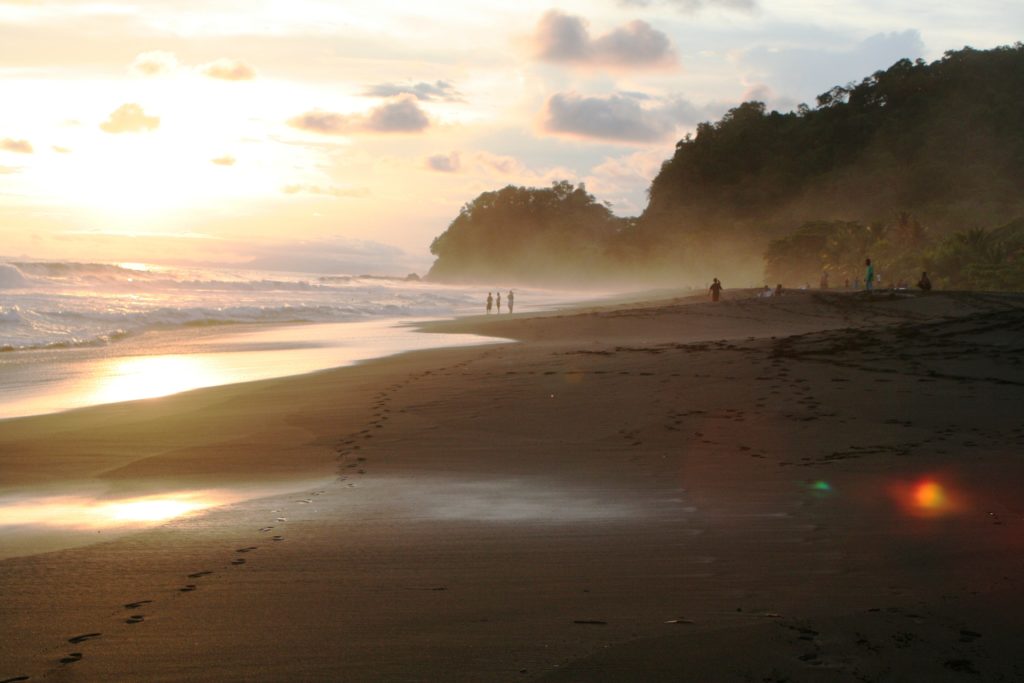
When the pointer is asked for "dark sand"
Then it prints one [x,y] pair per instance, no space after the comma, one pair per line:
[630,493]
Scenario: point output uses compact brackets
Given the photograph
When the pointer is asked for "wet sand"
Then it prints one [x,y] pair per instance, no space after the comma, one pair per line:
[815,487]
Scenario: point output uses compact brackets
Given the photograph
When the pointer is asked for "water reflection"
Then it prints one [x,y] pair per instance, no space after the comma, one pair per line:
[79,512]
[128,379]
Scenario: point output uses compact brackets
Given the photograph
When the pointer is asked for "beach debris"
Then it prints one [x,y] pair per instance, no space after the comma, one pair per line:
[84,637]
[595,622]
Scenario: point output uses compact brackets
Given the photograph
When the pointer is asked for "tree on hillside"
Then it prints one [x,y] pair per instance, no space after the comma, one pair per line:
[522,234]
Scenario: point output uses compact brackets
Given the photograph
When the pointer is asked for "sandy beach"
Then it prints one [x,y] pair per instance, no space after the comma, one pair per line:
[821,486]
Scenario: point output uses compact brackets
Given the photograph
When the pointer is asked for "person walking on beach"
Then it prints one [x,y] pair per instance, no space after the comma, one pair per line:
[511,300]
[924,284]
[490,302]
[715,289]
[499,303]
[869,275]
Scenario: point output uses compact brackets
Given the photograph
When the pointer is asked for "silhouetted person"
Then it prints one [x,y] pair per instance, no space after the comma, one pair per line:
[490,302]
[924,283]
[869,275]
[778,289]
[715,289]
[499,302]
[511,300]
[824,281]
[847,286]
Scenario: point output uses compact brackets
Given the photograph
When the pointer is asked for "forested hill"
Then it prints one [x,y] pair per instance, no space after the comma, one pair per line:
[942,142]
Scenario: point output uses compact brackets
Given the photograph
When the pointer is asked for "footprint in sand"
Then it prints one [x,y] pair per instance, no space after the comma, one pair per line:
[187,588]
[197,575]
[277,538]
[135,619]
[238,561]
[136,605]
[15,679]
[266,528]
[71,658]
[84,637]
[246,549]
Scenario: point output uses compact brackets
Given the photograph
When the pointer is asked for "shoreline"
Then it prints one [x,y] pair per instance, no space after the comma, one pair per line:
[629,491]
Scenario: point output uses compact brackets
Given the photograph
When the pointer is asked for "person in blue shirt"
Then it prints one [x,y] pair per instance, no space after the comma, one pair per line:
[869,276]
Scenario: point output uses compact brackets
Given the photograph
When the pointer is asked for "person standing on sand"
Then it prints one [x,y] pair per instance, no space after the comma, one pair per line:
[869,275]
[715,289]
[490,302]
[778,289]
[511,299]
[824,281]
[499,303]
[924,283]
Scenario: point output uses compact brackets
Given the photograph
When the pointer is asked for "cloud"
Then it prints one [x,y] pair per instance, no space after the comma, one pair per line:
[130,118]
[428,92]
[806,72]
[17,146]
[564,38]
[228,70]
[226,160]
[618,117]
[7,170]
[155,62]
[697,5]
[61,150]
[330,191]
[445,163]
[401,115]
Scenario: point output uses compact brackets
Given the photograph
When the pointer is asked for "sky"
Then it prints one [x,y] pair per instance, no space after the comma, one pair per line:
[344,136]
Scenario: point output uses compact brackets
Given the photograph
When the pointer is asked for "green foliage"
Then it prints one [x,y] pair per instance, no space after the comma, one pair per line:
[520,234]
[943,140]
[981,259]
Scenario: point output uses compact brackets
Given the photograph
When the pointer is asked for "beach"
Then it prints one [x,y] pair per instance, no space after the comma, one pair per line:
[819,486]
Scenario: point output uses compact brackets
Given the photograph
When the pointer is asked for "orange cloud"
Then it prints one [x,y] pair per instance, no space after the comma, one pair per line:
[130,118]
[155,62]
[226,160]
[18,146]
[228,70]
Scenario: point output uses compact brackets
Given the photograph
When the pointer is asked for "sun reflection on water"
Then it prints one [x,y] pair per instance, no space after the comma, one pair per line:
[72,512]
[152,376]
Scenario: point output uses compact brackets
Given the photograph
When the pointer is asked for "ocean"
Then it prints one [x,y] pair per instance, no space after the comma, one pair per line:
[80,334]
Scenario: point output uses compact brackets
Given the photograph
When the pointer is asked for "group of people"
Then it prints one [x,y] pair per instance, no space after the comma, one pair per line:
[715,290]
[510,300]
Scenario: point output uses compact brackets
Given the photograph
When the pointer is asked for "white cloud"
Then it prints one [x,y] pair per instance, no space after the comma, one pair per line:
[445,163]
[560,37]
[618,117]
[401,115]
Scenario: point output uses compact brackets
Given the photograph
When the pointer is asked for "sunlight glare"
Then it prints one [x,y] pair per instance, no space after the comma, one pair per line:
[154,376]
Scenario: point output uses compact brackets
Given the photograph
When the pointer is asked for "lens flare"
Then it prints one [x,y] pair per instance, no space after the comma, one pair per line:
[928,497]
